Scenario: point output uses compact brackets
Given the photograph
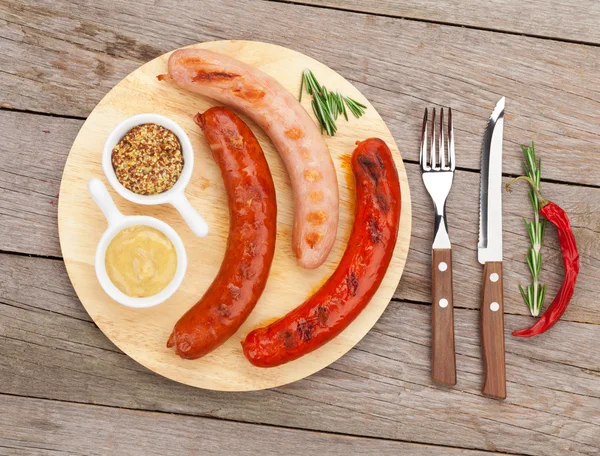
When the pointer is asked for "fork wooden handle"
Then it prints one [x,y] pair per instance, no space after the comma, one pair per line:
[443,358]
[492,331]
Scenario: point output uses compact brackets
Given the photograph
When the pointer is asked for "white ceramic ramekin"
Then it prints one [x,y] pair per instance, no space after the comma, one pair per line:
[176,194]
[117,222]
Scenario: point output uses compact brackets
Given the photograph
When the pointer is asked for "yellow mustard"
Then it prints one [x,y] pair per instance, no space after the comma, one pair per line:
[140,261]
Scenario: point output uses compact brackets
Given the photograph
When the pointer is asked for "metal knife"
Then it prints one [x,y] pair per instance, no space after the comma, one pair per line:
[490,255]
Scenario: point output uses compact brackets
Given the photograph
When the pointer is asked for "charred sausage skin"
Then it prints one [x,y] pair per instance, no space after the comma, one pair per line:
[362,268]
[251,243]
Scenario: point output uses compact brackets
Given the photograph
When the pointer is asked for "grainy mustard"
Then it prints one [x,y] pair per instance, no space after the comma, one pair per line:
[148,160]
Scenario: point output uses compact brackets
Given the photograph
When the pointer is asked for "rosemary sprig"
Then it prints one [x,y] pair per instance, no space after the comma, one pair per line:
[535,292]
[328,105]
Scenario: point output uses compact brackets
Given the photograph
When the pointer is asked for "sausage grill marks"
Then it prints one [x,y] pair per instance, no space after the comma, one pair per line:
[251,243]
[362,268]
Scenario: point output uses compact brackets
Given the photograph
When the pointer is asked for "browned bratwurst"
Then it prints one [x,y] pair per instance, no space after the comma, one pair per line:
[251,243]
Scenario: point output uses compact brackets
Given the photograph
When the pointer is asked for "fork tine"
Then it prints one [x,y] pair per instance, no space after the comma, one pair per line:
[441,142]
[451,160]
[423,154]
[433,154]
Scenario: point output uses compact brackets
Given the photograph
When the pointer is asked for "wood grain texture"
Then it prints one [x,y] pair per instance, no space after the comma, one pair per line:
[575,21]
[492,331]
[382,388]
[34,232]
[400,66]
[39,427]
[462,209]
[62,58]
[443,358]
[33,153]
[143,333]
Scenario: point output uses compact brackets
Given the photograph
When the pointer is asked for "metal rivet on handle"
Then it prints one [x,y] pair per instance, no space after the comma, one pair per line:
[494,277]
[494,307]
[443,303]
[442,266]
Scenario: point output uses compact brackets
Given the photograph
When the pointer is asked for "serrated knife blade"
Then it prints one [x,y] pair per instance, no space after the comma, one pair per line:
[490,194]
[489,253]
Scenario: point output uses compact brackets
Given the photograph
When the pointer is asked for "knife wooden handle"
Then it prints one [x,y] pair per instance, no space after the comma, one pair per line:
[443,358]
[492,331]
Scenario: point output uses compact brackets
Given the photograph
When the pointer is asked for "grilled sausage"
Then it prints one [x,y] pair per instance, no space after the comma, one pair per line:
[251,243]
[347,292]
[294,134]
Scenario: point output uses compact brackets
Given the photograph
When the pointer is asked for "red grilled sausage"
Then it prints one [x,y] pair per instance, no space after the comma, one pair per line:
[347,292]
[251,243]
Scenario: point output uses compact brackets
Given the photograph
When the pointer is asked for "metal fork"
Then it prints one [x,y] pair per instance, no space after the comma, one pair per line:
[437,167]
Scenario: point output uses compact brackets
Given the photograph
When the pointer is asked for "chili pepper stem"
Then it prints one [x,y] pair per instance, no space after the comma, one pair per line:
[543,202]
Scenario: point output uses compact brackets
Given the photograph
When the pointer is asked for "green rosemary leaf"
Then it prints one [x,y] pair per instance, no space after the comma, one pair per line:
[533,199]
[336,102]
[316,87]
[356,108]
[530,161]
[339,102]
[301,87]
[324,116]
[343,105]
[360,105]
[530,232]
[523,293]
[332,106]
[530,297]
[542,230]
[542,296]
[534,298]
[353,109]
[530,261]
[326,104]
[317,114]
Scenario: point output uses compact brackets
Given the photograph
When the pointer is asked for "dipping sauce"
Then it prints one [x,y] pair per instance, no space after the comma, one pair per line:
[140,261]
[148,160]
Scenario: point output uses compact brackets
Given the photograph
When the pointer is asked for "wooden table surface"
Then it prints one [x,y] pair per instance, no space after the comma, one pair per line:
[65,389]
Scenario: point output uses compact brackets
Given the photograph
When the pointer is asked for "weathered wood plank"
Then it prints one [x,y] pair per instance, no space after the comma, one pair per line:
[28,219]
[42,285]
[34,150]
[380,389]
[576,21]
[63,60]
[40,427]
[463,222]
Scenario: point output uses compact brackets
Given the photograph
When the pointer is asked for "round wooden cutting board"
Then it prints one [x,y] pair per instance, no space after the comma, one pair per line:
[143,333]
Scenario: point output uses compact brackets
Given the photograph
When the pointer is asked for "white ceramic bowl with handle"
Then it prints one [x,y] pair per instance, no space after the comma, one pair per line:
[118,222]
[176,194]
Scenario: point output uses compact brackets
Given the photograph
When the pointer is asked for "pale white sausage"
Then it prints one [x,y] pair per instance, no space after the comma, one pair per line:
[293,132]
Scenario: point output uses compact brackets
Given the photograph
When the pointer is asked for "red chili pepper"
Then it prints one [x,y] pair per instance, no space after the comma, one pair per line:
[558,217]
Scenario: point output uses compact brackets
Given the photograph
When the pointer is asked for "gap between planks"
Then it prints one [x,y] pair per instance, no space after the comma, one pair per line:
[404,159]
[255,423]
[512,75]
[439,22]
[351,365]
[393,299]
